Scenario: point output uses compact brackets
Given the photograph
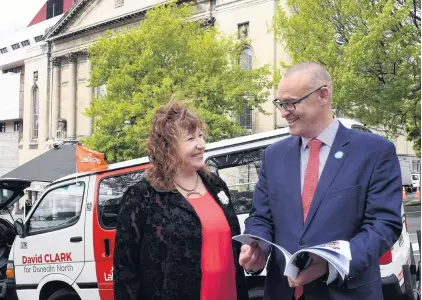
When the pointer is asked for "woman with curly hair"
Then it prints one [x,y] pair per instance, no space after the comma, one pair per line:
[173,237]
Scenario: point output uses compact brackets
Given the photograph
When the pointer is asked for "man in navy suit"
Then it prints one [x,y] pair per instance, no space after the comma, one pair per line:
[324,183]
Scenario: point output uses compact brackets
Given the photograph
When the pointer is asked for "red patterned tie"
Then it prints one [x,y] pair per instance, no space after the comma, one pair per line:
[309,186]
[311,176]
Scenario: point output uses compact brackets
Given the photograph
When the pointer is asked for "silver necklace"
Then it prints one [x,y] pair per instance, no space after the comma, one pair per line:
[192,191]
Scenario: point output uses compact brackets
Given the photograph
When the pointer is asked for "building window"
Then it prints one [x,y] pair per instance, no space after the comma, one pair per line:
[17,126]
[245,118]
[14,70]
[246,59]
[243,30]
[416,166]
[3,50]
[38,38]
[54,8]
[2,127]
[35,112]
[25,43]
[15,46]
[100,91]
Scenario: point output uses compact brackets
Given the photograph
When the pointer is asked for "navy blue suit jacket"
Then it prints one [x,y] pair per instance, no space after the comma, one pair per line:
[358,199]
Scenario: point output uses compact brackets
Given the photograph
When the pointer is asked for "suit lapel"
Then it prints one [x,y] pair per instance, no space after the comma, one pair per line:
[331,168]
[292,169]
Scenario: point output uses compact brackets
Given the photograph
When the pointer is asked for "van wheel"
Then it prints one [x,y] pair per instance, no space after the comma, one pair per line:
[64,294]
[256,293]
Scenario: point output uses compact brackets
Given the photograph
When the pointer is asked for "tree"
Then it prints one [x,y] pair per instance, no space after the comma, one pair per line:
[169,54]
[372,50]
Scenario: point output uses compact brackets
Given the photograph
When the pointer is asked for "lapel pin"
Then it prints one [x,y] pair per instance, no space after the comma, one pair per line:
[339,154]
[223,197]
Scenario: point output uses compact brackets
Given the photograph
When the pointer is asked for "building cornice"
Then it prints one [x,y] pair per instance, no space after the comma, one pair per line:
[54,33]
[66,17]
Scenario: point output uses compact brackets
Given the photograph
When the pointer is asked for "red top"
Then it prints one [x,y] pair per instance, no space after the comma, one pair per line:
[217,263]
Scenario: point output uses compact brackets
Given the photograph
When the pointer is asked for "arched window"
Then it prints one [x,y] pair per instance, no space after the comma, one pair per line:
[35,111]
[245,118]
[246,59]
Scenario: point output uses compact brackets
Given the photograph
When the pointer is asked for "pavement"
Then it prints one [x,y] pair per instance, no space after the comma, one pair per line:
[411,200]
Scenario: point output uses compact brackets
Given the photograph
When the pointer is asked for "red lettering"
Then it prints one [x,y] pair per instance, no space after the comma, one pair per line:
[57,257]
[31,259]
[62,257]
[69,256]
[47,258]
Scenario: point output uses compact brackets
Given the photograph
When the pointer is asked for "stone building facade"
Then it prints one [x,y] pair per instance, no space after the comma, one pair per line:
[63,66]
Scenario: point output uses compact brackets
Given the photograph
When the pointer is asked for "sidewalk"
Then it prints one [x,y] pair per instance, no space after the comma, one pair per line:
[411,200]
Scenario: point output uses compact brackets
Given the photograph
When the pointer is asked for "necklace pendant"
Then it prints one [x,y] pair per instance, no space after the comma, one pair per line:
[192,193]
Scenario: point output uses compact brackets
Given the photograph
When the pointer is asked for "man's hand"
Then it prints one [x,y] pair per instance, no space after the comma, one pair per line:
[315,270]
[252,258]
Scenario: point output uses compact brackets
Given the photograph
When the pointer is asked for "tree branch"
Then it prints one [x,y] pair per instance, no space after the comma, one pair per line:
[413,14]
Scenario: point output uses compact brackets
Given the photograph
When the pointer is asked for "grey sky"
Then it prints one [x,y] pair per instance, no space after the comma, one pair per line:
[16,14]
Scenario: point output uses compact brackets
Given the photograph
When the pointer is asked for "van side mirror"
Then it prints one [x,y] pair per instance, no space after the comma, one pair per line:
[20,229]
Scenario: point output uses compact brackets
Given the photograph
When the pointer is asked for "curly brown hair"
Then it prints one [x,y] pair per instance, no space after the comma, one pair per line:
[168,124]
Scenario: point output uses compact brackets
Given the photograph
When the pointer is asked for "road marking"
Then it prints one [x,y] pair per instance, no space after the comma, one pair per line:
[413,212]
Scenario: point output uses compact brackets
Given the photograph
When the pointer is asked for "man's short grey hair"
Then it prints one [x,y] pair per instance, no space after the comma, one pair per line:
[318,74]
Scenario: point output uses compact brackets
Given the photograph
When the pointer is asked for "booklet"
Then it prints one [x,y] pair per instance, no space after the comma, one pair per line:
[337,253]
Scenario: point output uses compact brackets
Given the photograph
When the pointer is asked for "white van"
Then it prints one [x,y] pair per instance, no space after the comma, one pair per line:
[64,247]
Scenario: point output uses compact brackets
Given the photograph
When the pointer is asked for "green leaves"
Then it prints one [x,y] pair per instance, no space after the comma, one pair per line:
[167,54]
[371,49]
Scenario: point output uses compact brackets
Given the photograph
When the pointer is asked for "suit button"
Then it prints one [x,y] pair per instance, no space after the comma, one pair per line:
[302,243]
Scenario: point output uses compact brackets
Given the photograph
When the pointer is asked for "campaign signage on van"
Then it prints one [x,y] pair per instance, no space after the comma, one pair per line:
[47,258]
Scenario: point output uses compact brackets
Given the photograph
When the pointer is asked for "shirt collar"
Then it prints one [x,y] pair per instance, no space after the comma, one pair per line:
[327,136]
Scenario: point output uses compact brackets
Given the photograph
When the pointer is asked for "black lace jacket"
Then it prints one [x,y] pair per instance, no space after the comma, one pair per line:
[157,253]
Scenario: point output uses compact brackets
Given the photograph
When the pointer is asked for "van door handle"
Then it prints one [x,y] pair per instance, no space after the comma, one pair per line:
[106,247]
[76,239]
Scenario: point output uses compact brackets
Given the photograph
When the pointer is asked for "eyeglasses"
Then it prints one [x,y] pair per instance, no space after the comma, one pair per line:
[290,106]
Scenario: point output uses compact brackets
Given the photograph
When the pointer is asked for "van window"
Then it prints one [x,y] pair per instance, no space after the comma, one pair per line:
[240,172]
[59,208]
[110,193]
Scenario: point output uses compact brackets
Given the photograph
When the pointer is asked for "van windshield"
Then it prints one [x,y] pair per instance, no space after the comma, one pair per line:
[415,177]
[11,190]
[5,195]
